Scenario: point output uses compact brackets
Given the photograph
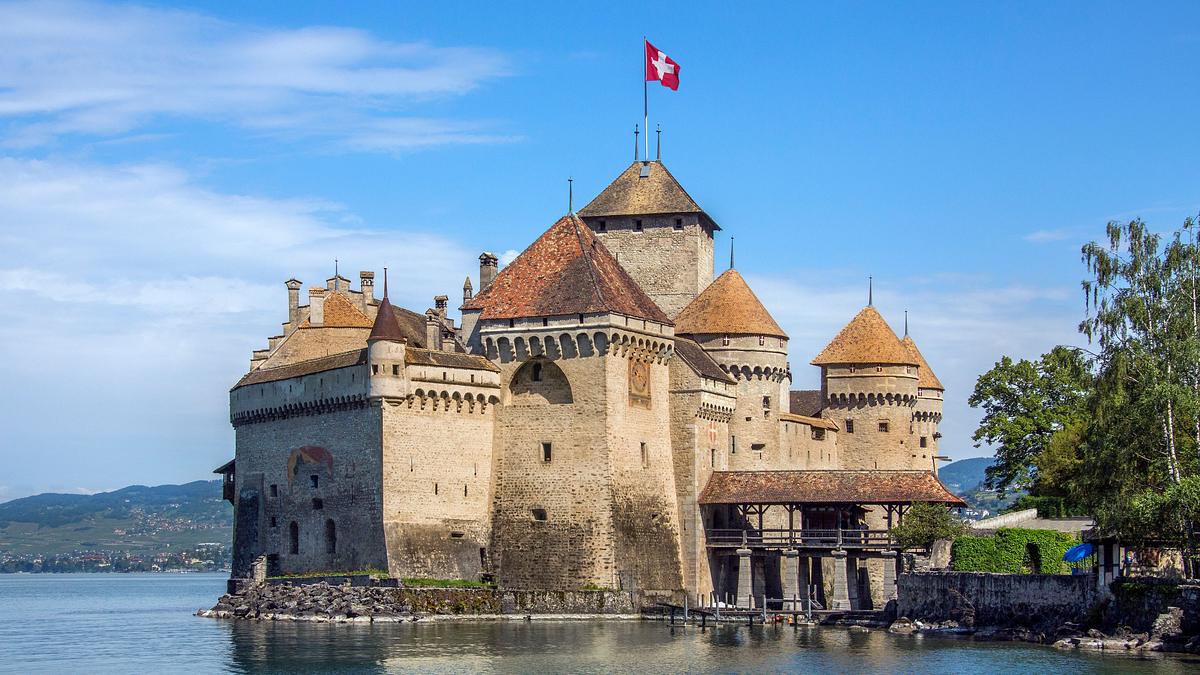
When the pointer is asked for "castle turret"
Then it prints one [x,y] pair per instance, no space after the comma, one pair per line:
[928,414]
[658,233]
[869,384]
[730,323]
[385,354]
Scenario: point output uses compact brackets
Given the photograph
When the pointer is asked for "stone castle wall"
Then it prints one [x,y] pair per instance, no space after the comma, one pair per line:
[672,262]
[868,397]
[437,485]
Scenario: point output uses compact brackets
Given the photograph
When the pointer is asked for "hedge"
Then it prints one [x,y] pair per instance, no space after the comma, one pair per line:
[1009,552]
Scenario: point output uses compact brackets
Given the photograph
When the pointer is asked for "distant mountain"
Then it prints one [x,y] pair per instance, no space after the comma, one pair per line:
[137,527]
[965,474]
[965,479]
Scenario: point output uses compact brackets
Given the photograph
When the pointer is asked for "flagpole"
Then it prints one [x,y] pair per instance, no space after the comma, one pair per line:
[645,100]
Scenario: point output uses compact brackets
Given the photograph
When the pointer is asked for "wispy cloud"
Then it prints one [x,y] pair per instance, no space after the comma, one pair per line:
[143,292]
[104,70]
[1046,236]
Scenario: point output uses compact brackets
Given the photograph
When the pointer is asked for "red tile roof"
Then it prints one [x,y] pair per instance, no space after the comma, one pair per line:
[699,361]
[566,271]
[386,326]
[826,487]
[309,367]
[925,377]
[632,194]
[866,339]
[727,306]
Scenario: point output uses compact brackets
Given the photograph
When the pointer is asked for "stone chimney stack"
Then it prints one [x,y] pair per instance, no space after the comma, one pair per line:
[433,330]
[488,263]
[316,306]
[366,282]
[468,291]
[440,303]
[293,287]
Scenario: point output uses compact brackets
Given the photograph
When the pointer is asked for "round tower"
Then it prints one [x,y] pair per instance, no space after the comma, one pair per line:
[869,382]
[738,332]
[928,414]
[385,354]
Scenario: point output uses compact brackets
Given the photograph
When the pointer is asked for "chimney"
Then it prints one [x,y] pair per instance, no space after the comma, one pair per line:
[487,269]
[293,287]
[366,282]
[316,306]
[439,303]
[468,291]
[433,331]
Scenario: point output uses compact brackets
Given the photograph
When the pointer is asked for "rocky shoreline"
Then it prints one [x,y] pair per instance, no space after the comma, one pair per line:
[323,602]
[1166,635]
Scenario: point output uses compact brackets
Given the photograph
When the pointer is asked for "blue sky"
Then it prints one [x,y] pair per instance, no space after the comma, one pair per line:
[163,168]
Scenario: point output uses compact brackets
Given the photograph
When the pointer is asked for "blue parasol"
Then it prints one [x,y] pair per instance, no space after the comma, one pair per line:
[1077,553]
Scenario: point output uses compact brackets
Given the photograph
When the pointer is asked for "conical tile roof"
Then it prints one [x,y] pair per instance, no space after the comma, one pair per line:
[866,339]
[727,306]
[387,326]
[566,271]
[634,194]
[925,377]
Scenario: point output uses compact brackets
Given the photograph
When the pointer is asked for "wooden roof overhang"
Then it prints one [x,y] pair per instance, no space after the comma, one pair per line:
[826,488]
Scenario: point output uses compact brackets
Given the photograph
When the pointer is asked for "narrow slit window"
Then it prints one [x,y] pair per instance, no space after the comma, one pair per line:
[637,225]
[547,453]
[645,455]
[849,426]
[315,480]
[679,223]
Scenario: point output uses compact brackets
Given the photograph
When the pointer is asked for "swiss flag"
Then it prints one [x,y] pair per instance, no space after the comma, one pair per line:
[660,68]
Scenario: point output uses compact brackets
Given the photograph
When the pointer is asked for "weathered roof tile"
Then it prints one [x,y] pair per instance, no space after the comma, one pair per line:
[632,195]
[826,487]
[925,377]
[566,271]
[699,361]
[866,339]
[727,306]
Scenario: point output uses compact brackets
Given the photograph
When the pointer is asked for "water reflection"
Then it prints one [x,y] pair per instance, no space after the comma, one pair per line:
[640,647]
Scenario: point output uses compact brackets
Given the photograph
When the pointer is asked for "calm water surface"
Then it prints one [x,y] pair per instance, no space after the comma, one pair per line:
[143,623]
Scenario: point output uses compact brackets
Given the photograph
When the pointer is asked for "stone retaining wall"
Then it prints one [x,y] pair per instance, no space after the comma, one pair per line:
[1038,601]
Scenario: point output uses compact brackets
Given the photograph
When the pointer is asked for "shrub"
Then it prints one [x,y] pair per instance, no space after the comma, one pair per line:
[422,582]
[925,524]
[1013,551]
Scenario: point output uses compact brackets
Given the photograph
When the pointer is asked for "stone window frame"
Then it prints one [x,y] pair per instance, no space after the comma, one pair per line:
[547,451]
[538,514]
[884,427]
[849,425]
[645,450]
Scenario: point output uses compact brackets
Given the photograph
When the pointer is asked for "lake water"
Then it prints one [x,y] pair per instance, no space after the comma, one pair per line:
[144,623]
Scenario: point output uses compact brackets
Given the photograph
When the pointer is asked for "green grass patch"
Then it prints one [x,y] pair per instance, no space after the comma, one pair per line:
[423,582]
[336,573]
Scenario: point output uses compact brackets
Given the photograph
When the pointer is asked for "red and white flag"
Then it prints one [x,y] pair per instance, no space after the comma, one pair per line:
[660,68]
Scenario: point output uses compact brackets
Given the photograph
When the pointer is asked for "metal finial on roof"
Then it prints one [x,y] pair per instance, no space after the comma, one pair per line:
[870,291]
[731,253]
[570,195]
[658,141]
[906,323]
[385,283]
[335,268]
[635,140]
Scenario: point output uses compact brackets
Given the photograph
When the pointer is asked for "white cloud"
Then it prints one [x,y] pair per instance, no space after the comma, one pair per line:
[1047,236]
[508,256]
[96,69]
[962,325]
[131,297]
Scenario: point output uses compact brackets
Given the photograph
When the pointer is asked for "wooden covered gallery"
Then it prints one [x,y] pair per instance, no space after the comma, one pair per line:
[775,535]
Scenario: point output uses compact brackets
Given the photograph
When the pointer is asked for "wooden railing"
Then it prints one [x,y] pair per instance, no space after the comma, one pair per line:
[784,538]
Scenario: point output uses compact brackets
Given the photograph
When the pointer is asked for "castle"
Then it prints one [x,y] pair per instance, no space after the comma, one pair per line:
[605,414]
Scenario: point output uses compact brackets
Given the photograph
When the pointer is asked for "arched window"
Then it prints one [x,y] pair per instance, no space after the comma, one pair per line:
[294,535]
[330,537]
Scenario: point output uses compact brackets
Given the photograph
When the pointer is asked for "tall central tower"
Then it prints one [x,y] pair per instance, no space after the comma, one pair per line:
[658,233]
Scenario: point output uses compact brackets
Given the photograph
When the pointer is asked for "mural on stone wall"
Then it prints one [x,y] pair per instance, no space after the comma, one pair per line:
[639,383]
[309,455]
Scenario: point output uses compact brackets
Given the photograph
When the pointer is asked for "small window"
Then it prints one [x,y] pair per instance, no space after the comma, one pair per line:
[375,369]
[457,535]
[762,340]
[472,377]
[395,370]
[725,341]
[637,225]
[602,226]
[818,434]
[645,456]
[511,323]
[274,491]
[758,447]
[547,452]
[545,321]
[780,342]
[294,537]
[330,537]
[853,369]
[464,490]
[315,480]
[273,522]
[536,374]
[766,403]
[908,370]
[318,504]
[580,318]
[713,457]
[435,488]
[679,223]
[539,515]
[849,426]
[879,369]
[883,427]
[924,442]
[732,444]
[445,376]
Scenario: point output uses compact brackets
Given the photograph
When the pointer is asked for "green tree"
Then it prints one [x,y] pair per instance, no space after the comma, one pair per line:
[1025,403]
[924,524]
